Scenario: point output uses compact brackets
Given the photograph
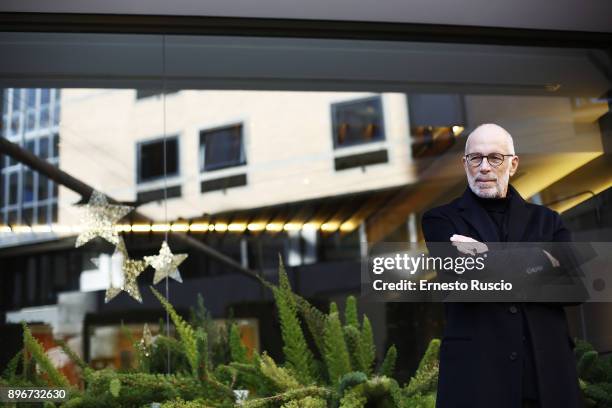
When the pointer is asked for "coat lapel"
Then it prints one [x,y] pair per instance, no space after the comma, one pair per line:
[477,217]
[519,216]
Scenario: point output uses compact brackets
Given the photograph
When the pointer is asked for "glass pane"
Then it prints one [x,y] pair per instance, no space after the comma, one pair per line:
[42,214]
[31,120]
[27,215]
[15,123]
[358,122]
[43,187]
[222,147]
[44,96]
[5,101]
[44,117]
[55,146]
[151,164]
[17,99]
[28,186]
[43,147]
[13,217]
[30,98]
[13,188]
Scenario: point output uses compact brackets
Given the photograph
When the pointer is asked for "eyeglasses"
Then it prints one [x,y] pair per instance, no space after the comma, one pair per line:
[494,159]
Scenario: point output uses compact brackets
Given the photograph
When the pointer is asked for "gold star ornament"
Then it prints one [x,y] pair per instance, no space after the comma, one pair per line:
[99,218]
[165,264]
[130,269]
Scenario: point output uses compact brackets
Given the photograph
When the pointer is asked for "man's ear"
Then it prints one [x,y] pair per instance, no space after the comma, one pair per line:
[514,165]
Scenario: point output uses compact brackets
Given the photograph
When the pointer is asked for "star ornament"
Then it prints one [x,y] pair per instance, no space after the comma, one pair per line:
[130,269]
[165,264]
[99,218]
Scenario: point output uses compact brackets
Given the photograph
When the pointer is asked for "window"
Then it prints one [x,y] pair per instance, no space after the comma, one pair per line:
[151,159]
[357,122]
[221,148]
[29,197]
[13,188]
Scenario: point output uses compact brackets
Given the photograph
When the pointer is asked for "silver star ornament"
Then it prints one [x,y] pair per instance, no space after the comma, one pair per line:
[165,264]
[99,218]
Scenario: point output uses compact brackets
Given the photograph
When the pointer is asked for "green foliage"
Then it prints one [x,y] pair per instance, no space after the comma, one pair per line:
[595,374]
[350,312]
[291,395]
[307,402]
[425,379]
[157,360]
[35,349]
[388,365]
[237,350]
[78,361]
[366,353]
[106,388]
[115,387]
[338,373]
[350,380]
[202,345]
[185,332]
[281,377]
[336,354]
[11,368]
[295,348]
[217,335]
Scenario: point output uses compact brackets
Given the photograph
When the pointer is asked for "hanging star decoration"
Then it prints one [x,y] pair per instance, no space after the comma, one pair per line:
[99,218]
[165,264]
[130,269]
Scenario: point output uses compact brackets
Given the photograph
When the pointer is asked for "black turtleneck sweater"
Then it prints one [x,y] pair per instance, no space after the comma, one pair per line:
[497,209]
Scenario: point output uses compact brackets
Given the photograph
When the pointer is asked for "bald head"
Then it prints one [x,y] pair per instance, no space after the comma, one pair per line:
[490,133]
[489,179]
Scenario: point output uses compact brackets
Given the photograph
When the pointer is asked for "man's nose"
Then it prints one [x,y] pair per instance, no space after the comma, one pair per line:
[485,167]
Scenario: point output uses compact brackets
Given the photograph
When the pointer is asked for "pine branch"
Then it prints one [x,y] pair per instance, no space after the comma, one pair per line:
[237,350]
[350,312]
[185,332]
[388,365]
[32,346]
[336,354]
[295,348]
[367,350]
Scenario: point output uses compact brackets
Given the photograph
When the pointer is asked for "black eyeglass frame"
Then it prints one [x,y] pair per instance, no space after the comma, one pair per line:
[482,156]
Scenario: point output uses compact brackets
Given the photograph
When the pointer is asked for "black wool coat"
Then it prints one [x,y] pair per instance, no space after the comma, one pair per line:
[481,351]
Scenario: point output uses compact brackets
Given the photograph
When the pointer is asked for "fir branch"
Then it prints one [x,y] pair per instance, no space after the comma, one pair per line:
[71,354]
[11,368]
[238,351]
[297,353]
[351,317]
[388,365]
[336,355]
[296,394]
[185,332]
[32,346]
[367,350]
[278,375]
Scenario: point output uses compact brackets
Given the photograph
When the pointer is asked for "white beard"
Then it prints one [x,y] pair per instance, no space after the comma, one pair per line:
[499,191]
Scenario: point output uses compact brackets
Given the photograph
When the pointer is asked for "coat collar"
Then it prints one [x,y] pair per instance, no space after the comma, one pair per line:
[473,213]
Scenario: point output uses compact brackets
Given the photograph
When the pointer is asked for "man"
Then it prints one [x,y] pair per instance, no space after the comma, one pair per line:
[502,355]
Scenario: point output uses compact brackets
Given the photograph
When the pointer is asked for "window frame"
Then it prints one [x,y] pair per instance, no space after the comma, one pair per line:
[334,122]
[201,156]
[139,146]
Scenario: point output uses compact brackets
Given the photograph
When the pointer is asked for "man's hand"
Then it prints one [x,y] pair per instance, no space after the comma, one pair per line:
[467,245]
[555,263]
